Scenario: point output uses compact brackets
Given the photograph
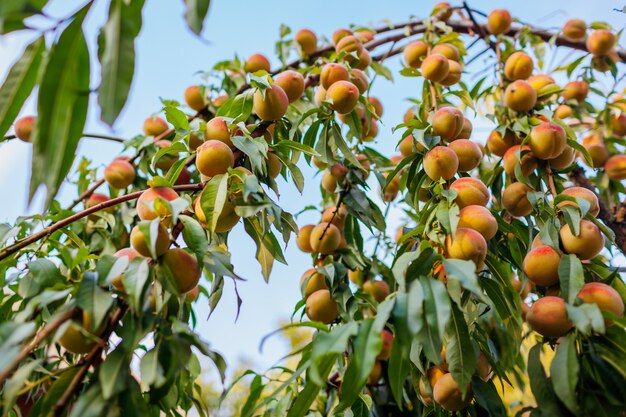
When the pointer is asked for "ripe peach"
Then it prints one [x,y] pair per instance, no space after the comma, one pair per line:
[24,128]
[605,296]
[406,146]
[375,374]
[344,96]
[548,317]
[539,81]
[520,96]
[414,54]
[365,163]
[365,35]
[193,295]
[183,267]
[470,191]
[80,338]
[518,66]
[270,104]
[594,144]
[499,21]
[333,72]
[515,199]
[378,106]
[448,50]
[443,9]
[581,192]
[227,219]
[303,239]
[214,158]
[129,254]
[325,238]
[547,140]
[339,34]
[563,112]
[355,276]
[166,161]
[512,157]
[184,177]
[454,74]
[195,140]
[217,129]
[149,207]
[350,46]
[587,244]
[575,90]
[574,30]
[498,144]
[307,40]
[194,98]
[220,100]
[154,126]
[378,289]
[468,152]
[447,394]
[385,351]
[359,78]
[448,122]
[615,167]
[466,131]
[467,244]
[365,59]
[435,67]
[292,83]
[97,198]
[339,218]
[541,265]
[319,96]
[566,159]
[329,183]
[600,42]
[316,281]
[119,174]
[441,162]
[320,306]
[478,218]
[142,245]
[618,124]
[392,189]
[257,62]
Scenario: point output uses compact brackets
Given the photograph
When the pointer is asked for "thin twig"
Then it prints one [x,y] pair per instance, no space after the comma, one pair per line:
[342,196]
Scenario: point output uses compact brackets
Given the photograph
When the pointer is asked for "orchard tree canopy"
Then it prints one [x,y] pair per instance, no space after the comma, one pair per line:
[500,296]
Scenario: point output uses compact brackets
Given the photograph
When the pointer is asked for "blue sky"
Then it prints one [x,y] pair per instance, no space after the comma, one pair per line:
[168,57]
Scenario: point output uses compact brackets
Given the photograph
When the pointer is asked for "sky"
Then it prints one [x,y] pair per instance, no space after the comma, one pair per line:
[168,57]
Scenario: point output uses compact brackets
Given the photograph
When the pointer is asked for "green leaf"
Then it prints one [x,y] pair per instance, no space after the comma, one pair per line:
[381,70]
[110,373]
[564,372]
[332,343]
[399,367]
[177,117]
[488,398]
[42,274]
[256,149]
[93,299]
[465,273]
[194,236]
[151,370]
[195,13]
[540,384]
[61,108]
[19,83]
[460,353]
[117,56]
[135,279]
[213,199]
[571,277]
[13,13]
[238,108]
[309,393]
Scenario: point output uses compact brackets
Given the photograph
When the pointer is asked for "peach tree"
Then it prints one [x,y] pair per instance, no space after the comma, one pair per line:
[506,273]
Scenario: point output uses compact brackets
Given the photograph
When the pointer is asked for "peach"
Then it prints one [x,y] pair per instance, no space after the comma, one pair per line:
[320,306]
[454,74]
[316,281]
[97,198]
[408,115]
[333,72]
[184,269]
[548,317]
[339,218]
[511,158]
[350,46]
[141,244]
[194,141]
[292,83]
[618,124]
[378,106]
[166,161]
[329,183]
[597,150]
[307,40]
[344,96]
[227,219]
[364,60]
[575,90]
[392,189]
[615,167]
[214,158]
[408,146]
[604,296]
[447,122]
[270,104]
[303,239]
[520,96]
[448,50]
[443,9]
[518,66]
[583,193]
[435,67]
[470,191]
[359,78]
[498,144]
[365,163]
[467,244]
[441,162]
[480,219]
[375,374]
[339,34]
[515,199]
[24,128]
[355,276]
[385,351]
[257,62]
[415,53]
[563,112]
[320,96]
[220,100]
[600,42]
[499,21]
[129,254]
[447,393]
[80,337]
[574,30]
[149,207]
[365,35]
[466,131]
[468,152]
[119,174]
[566,159]
[587,244]
[540,81]
[154,126]
[325,238]
[217,129]
[547,140]
[378,289]
[541,265]
[195,98]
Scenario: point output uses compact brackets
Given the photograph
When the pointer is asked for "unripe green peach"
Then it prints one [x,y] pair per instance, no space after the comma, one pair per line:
[378,289]
[316,281]
[129,254]
[320,306]
[350,46]
[257,62]
[435,67]
[520,96]
[154,126]
[470,191]
[385,351]
[24,128]
[443,9]
[574,30]
[447,393]
[141,244]
[583,193]
[119,173]
[594,144]
[618,124]
[600,42]
[478,218]
[448,50]
[333,72]
[415,53]
[447,122]
[515,199]
[339,34]
[270,104]
[307,40]
[566,159]
[183,267]
[467,244]
[468,152]
[441,162]
[604,296]
[547,140]
[499,21]
[378,106]
[217,129]
[149,208]
[548,317]
[214,158]
[498,144]
[541,265]
[518,66]
[194,98]
[166,161]
[454,74]
[359,78]
[292,83]
[563,112]
[575,90]
[344,96]
[325,238]
[587,244]
[303,239]
[539,81]
[615,167]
